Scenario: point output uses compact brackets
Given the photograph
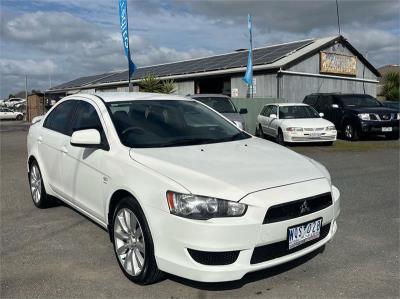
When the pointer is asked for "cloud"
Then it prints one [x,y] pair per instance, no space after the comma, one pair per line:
[66,47]
[73,38]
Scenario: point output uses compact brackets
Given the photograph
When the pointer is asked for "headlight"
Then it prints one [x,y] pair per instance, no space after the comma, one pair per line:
[330,128]
[364,116]
[202,207]
[398,116]
[239,124]
[292,129]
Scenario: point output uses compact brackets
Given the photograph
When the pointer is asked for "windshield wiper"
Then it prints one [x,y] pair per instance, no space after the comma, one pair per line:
[189,141]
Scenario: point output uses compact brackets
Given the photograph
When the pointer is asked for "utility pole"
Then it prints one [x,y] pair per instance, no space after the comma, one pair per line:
[26,95]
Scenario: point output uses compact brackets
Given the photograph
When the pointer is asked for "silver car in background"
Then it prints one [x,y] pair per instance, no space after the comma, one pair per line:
[223,104]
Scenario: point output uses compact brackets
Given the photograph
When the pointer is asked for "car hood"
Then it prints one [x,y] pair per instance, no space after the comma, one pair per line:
[229,170]
[306,122]
[372,110]
[234,117]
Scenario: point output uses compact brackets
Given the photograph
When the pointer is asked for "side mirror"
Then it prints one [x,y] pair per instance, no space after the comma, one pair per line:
[321,114]
[243,111]
[89,138]
[336,106]
[273,116]
[37,119]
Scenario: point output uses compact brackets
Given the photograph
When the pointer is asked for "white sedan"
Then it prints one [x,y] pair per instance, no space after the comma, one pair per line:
[294,123]
[6,113]
[179,187]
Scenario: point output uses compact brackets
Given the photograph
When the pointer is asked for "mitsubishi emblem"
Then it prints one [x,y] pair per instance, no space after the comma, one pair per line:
[304,208]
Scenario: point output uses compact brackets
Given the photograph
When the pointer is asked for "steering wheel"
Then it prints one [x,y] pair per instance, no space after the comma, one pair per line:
[132,129]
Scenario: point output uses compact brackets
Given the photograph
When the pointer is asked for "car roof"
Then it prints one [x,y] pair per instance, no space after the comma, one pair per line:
[131,96]
[339,94]
[287,104]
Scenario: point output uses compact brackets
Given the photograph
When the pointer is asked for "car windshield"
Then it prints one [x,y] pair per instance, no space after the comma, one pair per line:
[164,123]
[220,104]
[360,100]
[292,112]
[394,105]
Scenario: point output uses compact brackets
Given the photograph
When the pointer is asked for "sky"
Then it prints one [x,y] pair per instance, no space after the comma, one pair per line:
[60,40]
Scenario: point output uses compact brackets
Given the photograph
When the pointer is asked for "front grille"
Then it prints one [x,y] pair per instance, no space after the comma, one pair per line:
[322,138]
[297,208]
[214,258]
[279,249]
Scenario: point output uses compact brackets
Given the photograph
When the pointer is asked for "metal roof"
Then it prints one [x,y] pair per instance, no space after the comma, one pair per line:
[261,56]
[271,57]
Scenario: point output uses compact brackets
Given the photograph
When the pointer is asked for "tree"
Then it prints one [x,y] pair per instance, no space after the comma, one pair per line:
[168,86]
[151,83]
[391,83]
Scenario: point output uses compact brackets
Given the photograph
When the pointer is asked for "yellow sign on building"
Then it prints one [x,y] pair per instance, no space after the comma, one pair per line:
[339,64]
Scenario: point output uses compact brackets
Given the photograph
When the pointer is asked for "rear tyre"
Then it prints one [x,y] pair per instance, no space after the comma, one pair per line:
[392,136]
[133,244]
[279,138]
[350,132]
[19,117]
[39,196]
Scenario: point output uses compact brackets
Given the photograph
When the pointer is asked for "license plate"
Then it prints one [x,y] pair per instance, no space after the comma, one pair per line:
[303,233]
[315,134]
[387,129]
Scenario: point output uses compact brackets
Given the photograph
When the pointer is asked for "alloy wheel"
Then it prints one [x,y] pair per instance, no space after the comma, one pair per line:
[36,184]
[129,242]
[348,131]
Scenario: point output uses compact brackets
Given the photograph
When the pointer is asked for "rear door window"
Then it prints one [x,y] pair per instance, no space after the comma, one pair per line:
[60,117]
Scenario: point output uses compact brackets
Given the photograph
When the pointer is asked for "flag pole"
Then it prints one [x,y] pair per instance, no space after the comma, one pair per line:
[251,47]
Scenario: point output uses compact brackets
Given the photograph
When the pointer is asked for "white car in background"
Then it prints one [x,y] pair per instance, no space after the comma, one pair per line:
[179,187]
[6,113]
[13,102]
[294,123]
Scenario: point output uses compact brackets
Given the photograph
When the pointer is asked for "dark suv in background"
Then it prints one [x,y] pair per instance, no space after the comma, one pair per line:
[356,115]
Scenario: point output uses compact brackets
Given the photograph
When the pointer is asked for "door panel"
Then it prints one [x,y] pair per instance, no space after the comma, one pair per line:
[49,145]
[55,131]
[272,121]
[81,167]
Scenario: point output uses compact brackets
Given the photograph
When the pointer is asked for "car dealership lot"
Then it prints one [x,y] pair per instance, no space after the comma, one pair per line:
[57,252]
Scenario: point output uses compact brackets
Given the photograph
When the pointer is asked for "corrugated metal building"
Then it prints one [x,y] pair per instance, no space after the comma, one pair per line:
[287,71]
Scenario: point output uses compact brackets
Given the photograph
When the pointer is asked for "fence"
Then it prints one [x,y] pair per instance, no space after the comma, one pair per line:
[253,107]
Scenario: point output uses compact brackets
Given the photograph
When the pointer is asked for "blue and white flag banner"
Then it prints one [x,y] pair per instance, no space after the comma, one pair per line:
[248,77]
[123,21]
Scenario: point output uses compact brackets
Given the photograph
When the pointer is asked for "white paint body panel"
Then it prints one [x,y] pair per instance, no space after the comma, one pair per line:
[253,171]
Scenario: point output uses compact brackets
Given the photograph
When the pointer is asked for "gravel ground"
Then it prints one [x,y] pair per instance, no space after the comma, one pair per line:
[59,253]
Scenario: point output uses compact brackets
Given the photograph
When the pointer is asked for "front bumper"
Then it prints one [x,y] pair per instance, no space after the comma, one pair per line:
[303,136]
[173,236]
[377,127]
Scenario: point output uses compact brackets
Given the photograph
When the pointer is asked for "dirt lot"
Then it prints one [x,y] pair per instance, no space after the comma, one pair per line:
[59,253]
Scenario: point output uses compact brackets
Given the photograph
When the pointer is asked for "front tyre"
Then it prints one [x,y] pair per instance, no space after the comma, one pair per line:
[350,132]
[19,117]
[38,192]
[279,138]
[133,244]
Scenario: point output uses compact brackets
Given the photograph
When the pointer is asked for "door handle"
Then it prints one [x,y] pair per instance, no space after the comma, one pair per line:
[40,139]
[64,150]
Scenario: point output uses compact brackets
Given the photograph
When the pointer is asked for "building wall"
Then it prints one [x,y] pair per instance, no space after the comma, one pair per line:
[311,65]
[295,88]
[184,87]
[265,86]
